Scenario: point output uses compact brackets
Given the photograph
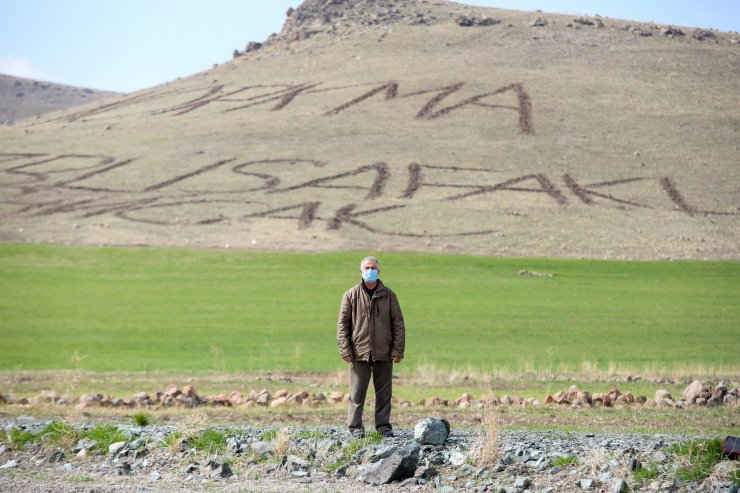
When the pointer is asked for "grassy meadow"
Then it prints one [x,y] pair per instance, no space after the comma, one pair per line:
[199,311]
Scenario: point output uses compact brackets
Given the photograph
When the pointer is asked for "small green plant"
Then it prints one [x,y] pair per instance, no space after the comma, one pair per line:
[60,434]
[210,441]
[142,419]
[269,435]
[173,440]
[696,459]
[645,474]
[20,438]
[104,435]
[565,461]
[308,435]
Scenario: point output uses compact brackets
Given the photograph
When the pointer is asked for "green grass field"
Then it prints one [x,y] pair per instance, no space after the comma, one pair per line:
[147,309]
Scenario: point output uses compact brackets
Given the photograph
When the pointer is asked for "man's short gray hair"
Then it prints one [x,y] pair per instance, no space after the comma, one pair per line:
[370,258]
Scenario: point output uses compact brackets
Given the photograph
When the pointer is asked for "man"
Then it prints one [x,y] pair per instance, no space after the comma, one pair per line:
[371,337]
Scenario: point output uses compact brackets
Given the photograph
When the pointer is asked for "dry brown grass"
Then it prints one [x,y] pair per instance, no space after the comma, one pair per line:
[486,450]
[282,443]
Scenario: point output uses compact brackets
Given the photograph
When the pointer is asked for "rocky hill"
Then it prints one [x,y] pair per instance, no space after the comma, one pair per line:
[402,125]
[22,98]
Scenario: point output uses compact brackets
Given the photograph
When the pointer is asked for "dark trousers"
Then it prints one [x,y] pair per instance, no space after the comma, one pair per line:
[359,379]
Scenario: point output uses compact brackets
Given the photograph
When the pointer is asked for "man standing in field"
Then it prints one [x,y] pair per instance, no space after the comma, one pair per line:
[371,337]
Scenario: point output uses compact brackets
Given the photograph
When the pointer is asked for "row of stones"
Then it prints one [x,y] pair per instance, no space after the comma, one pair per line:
[696,394]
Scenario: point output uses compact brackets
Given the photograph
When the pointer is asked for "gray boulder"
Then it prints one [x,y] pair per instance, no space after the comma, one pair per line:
[400,465]
[218,470]
[431,431]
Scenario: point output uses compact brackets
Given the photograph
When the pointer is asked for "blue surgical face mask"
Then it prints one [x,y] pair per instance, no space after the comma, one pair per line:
[370,275]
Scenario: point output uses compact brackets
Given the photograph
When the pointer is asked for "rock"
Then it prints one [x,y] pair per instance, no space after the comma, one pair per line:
[583,21]
[252,46]
[10,464]
[115,448]
[469,21]
[263,399]
[714,401]
[399,466]
[431,431]
[671,31]
[731,400]
[429,473]
[279,401]
[639,31]
[262,448]
[155,476]
[539,22]
[341,471]
[57,456]
[704,35]
[124,469]
[464,21]
[693,391]
[219,470]
[408,482]
[663,398]
[620,486]
[141,397]
[383,452]
[586,484]
[296,399]
[458,458]
[561,398]
[522,482]
[84,443]
[89,400]
[83,453]
[172,391]
[295,463]
[189,391]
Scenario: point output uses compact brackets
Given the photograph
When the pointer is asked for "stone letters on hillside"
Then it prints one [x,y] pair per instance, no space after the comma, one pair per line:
[92,185]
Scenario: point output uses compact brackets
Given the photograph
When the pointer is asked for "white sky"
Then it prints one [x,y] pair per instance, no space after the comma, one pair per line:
[126,45]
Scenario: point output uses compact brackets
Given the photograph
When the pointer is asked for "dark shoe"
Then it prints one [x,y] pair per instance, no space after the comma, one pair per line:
[357,434]
[388,434]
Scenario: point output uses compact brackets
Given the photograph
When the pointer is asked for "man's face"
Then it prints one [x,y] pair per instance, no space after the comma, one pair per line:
[369,264]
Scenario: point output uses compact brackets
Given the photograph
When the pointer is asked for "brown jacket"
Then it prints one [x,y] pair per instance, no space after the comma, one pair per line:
[370,326]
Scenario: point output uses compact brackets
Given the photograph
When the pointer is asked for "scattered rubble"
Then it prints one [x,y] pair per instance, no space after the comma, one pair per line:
[328,458]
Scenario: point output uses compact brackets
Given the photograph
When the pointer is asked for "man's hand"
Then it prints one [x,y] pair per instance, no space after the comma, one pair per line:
[397,359]
[348,358]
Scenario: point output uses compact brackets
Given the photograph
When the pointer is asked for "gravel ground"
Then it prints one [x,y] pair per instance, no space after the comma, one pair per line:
[534,461]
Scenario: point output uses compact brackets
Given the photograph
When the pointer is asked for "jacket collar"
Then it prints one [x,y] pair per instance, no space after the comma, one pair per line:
[379,289]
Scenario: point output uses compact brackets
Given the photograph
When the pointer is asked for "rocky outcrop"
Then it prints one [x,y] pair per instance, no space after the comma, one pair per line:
[339,16]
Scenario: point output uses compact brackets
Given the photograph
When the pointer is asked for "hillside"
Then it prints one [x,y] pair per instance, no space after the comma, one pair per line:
[22,98]
[406,126]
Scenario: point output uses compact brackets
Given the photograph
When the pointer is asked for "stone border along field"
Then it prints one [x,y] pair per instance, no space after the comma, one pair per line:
[696,394]
[246,458]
